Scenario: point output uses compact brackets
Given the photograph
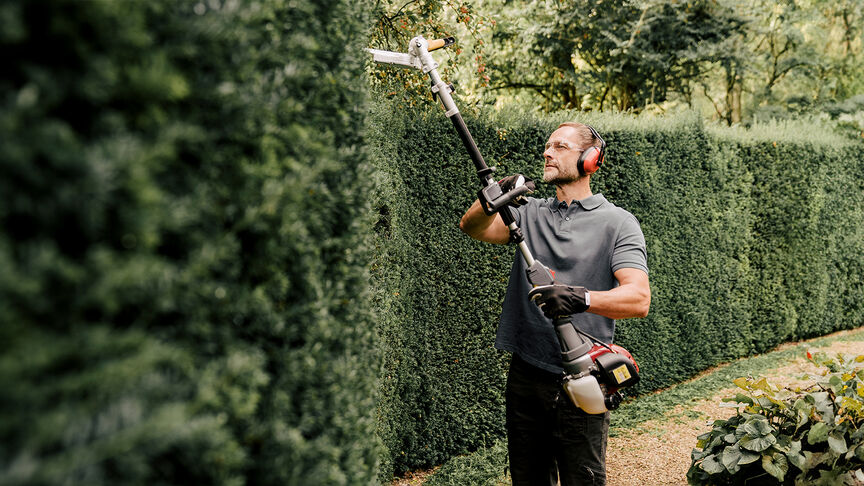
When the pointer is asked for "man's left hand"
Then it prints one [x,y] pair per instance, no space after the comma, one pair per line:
[560,300]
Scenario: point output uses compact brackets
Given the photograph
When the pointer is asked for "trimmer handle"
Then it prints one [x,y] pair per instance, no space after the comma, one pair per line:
[574,347]
[439,43]
[412,58]
[492,199]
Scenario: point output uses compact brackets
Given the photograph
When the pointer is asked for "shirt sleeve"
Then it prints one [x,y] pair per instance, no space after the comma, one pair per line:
[630,249]
[519,212]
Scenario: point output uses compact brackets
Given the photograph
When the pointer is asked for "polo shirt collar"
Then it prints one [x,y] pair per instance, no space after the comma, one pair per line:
[589,203]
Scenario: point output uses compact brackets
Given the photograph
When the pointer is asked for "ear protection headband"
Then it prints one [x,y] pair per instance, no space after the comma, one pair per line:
[592,157]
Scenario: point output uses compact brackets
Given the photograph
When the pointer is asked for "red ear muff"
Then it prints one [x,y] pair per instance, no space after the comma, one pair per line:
[590,160]
[592,157]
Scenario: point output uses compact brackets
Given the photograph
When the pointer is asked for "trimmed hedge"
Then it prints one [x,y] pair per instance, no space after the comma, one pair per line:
[752,240]
[183,224]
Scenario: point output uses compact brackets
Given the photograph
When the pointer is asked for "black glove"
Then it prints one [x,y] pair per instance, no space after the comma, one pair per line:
[559,300]
[509,183]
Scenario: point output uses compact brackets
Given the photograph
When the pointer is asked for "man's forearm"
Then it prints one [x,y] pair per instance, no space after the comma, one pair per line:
[621,302]
[480,226]
[474,220]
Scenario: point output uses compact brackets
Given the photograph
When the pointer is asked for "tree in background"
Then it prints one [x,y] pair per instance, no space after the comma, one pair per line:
[794,58]
[769,50]
[397,22]
[734,60]
[182,236]
[602,54]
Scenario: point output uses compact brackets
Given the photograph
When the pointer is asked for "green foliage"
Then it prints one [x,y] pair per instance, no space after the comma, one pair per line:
[102,406]
[807,54]
[629,54]
[849,115]
[397,22]
[183,211]
[647,407]
[745,244]
[486,467]
[737,61]
[781,436]
[442,384]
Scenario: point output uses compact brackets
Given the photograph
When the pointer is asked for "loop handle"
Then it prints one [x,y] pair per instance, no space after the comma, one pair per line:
[439,43]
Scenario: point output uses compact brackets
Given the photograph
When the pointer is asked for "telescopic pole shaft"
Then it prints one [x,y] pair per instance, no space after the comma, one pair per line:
[482,168]
[443,90]
[574,348]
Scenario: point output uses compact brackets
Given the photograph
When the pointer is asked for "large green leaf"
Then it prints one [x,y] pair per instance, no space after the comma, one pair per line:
[802,405]
[748,457]
[757,444]
[739,398]
[837,442]
[824,405]
[818,433]
[775,465]
[758,427]
[712,466]
[730,457]
[784,443]
[755,425]
[795,457]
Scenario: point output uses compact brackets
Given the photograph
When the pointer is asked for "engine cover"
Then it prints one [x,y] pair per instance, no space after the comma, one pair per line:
[616,370]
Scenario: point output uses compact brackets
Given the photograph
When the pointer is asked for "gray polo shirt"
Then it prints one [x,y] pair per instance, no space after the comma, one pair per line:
[584,244]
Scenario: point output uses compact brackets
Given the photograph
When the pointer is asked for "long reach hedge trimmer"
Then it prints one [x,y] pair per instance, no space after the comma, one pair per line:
[594,372]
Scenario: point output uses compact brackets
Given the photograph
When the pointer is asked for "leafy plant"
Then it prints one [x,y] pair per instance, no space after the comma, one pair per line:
[784,436]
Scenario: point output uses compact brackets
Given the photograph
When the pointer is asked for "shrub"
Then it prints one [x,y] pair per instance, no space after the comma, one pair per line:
[486,467]
[782,436]
[183,293]
[748,246]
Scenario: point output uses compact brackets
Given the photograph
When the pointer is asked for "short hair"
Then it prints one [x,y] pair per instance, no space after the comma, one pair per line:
[586,137]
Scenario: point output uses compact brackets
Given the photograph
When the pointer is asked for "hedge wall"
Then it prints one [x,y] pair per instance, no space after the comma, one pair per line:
[752,240]
[184,289]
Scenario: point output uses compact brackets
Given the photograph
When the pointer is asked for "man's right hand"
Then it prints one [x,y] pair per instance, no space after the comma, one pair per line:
[512,182]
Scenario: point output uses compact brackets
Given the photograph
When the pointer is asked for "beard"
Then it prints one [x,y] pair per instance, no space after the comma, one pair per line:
[562,176]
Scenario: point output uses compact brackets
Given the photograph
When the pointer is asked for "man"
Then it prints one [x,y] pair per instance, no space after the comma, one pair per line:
[598,254]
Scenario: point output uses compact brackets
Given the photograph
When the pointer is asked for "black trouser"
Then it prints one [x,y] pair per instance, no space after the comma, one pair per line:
[548,437]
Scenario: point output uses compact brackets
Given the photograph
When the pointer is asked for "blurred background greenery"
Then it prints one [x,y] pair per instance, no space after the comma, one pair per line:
[734,61]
